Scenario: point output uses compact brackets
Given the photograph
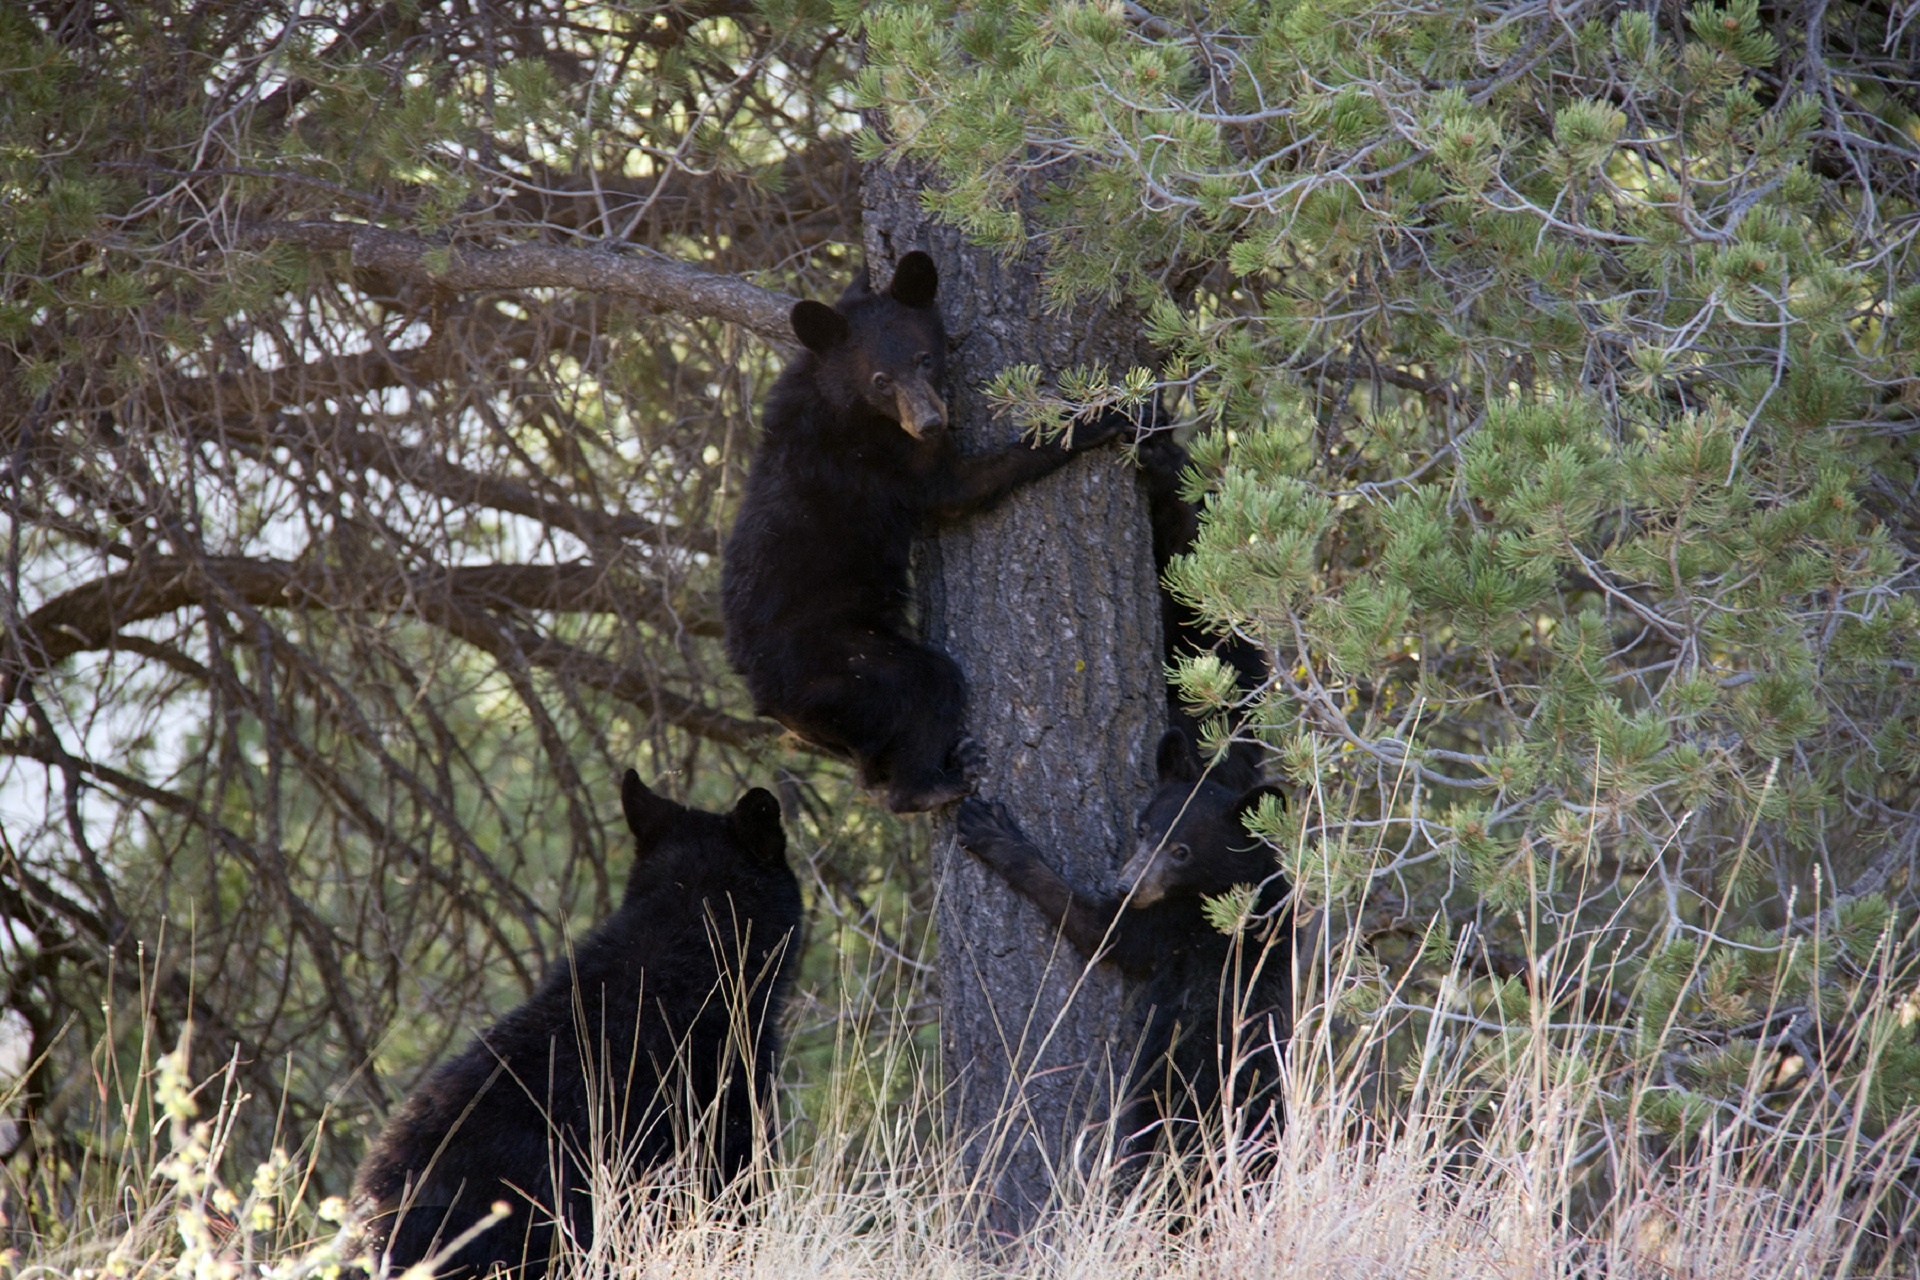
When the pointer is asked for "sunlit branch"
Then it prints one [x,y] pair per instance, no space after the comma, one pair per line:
[660,282]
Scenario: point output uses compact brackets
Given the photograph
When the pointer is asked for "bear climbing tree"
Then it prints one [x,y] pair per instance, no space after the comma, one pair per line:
[855,459]
[1218,1005]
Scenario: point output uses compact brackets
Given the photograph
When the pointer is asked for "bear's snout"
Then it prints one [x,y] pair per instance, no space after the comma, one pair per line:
[1144,878]
[922,412]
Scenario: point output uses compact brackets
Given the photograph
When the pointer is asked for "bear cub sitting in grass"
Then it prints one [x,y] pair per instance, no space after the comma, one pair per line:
[1210,997]
[856,459]
[632,1039]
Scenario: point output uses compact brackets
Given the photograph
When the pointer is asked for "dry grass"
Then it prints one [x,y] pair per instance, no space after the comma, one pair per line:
[1541,1169]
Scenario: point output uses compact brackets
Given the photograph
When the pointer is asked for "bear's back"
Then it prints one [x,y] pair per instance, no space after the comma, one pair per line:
[639,1020]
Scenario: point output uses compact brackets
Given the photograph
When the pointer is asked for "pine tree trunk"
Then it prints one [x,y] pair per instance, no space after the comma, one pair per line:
[1048,604]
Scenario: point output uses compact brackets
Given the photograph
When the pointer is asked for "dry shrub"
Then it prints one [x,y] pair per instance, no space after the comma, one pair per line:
[1493,1152]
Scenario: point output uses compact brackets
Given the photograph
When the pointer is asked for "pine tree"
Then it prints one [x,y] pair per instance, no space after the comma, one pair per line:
[1549,382]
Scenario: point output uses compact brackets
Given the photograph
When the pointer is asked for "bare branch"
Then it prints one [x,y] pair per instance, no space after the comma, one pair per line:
[659,282]
[460,600]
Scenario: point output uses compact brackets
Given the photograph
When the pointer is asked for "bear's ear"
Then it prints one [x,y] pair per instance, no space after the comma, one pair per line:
[915,280]
[756,821]
[818,326]
[647,813]
[1175,759]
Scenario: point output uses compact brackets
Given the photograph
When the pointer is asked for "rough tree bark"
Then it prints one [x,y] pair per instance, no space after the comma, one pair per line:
[1048,604]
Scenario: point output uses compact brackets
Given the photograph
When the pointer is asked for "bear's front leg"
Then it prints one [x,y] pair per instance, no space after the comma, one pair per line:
[974,483]
[989,833]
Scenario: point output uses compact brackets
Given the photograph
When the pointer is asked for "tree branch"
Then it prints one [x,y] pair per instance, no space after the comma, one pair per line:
[427,470]
[459,600]
[660,282]
[629,684]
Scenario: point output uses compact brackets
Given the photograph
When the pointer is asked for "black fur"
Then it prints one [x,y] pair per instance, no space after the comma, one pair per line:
[1208,996]
[1176,524]
[855,460]
[655,995]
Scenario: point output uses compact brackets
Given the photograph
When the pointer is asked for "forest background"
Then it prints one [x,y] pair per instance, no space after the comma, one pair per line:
[376,381]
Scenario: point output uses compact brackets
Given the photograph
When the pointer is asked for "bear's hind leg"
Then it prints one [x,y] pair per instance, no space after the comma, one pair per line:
[931,757]
[890,704]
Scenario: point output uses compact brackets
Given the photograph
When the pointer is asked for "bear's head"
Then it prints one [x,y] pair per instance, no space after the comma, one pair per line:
[1192,837]
[734,863]
[885,351]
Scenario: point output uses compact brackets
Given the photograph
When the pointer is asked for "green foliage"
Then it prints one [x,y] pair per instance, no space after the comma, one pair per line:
[1228,912]
[1549,386]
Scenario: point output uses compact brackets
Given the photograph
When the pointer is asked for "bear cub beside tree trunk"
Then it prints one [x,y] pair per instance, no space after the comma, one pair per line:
[1220,1008]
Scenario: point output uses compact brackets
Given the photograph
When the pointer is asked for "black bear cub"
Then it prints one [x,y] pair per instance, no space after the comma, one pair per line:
[855,459]
[1213,1002]
[667,1013]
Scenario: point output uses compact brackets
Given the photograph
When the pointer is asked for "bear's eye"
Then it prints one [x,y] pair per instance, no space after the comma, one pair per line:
[926,361]
[1179,852]
[881,382]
